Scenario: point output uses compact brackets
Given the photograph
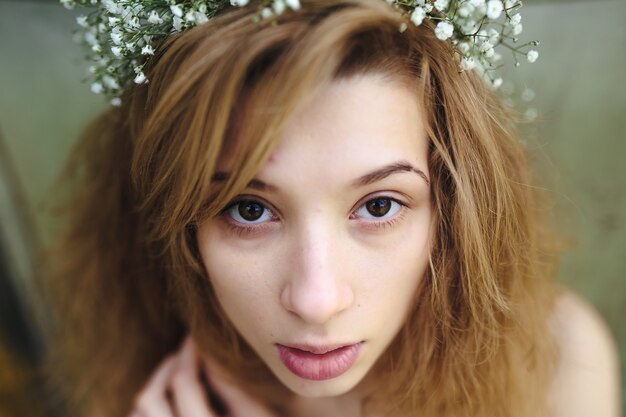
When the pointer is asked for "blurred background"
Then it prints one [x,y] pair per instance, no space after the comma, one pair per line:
[579,134]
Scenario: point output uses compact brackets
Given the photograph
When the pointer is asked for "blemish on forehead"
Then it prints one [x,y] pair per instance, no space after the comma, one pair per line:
[272,158]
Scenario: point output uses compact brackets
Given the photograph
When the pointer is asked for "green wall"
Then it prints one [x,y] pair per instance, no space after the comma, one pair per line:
[580,80]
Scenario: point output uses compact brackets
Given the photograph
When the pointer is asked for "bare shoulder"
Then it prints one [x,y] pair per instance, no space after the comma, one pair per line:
[587,375]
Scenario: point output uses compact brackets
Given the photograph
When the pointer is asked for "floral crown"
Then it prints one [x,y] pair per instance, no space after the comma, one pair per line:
[121,35]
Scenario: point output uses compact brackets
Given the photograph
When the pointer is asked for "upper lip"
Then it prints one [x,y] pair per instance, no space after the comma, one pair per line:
[317,349]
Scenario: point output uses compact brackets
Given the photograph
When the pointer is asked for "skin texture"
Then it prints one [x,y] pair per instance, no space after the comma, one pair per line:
[317,267]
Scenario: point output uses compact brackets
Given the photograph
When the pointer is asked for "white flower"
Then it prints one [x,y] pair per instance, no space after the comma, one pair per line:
[96,48]
[116,37]
[239,3]
[532,56]
[140,78]
[147,50]
[112,7]
[96,88]
[110,82]
[517,29]
[190,17]
[497,83]
[444,30]
[90,38]
[467,63]
[493,35]
[93,69]
[117,51]
[531,114]
[177,23]
[293,4]
[68,4]
[201,18]
[82,21]
[465,10]
[418,16]
[154,18]
[131,46]
[477,3]
[441,5]
[114,21]
[489,53]
[516,19]
[116,102]
[528,95]
[428,7]
[464,47]
[279,6]
[494,9]
[176,10]
[266,13]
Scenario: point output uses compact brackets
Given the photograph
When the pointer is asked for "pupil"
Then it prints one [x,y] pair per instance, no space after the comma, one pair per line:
[250,210]
[378,207]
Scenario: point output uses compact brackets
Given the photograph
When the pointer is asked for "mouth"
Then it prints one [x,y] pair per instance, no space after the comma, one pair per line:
[318,363]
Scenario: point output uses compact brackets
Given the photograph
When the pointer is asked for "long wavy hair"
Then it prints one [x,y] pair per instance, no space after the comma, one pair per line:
[127,279]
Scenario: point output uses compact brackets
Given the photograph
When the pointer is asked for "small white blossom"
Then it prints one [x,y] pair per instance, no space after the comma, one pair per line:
[441,5]
[531,114]
[427,7]
[201,18]
[477,3]
[517,29]
[117,51]
[140,78]
[494,9]
[293,4]
[116,101]
[132,47]
[177,23]
[497,83]
[116,37]
[239,3]
[82,21]
[266,13]
[97,88]
[96,48]
[112,7]
[90,38]
[154,18]
[444,30]
[279,6]
[516,19]
[110,82]
[147,50]
[465,10]
[489,53]
[68,4]
[418,15]
[528,95]
[532,56]
[467,63]
[176,10]
[464,47]
[493,35]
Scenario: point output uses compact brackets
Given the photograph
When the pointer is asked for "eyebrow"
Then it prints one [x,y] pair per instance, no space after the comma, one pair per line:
[367,179]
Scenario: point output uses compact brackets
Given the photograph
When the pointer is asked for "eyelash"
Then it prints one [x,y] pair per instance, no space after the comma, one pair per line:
[242,229]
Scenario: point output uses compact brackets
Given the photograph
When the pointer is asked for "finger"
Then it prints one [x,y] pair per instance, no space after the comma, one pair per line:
[238,402]
[151,400]
[190,398]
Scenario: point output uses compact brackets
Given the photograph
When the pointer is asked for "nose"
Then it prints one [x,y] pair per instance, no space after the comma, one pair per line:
[318,287]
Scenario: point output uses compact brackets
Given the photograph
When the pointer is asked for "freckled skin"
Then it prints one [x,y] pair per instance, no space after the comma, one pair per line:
[317,268]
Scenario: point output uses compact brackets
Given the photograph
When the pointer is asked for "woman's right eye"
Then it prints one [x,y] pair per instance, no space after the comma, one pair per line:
[248,211]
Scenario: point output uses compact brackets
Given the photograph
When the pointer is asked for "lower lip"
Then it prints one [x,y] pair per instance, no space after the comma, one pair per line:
[318,367]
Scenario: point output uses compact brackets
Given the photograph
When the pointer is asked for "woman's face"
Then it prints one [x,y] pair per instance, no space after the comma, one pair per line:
[318,261]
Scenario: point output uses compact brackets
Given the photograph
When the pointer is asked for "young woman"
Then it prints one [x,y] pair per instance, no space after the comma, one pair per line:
[317,214]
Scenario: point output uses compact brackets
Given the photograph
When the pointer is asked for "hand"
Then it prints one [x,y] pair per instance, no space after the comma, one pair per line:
[176,389]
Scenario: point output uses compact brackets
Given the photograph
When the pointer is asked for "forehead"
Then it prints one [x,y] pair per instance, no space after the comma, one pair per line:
[352,126]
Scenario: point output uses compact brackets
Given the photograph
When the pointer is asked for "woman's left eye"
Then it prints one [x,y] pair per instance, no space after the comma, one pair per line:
[378,208]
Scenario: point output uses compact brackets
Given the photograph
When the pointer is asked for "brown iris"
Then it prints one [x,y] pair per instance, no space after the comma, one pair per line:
[250,210]
[378,207]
